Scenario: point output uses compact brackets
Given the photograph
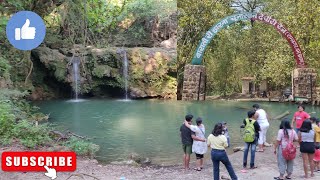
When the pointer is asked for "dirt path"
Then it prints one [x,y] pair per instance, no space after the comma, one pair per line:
[266,162]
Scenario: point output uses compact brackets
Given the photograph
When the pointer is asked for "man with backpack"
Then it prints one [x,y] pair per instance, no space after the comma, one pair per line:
[250,137]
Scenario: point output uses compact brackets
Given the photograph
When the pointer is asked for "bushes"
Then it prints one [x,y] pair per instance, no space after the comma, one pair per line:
[30,135]
[82,147]
[4,68]
[11,111]
[6,122]
[17,121]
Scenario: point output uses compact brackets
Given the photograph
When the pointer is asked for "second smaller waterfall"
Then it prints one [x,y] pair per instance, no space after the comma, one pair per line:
[125,73]
[76,77]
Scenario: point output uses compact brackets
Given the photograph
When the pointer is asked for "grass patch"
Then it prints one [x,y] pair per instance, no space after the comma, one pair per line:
[82,147]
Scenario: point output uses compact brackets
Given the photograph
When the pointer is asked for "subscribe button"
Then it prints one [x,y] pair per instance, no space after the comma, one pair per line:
[38,161]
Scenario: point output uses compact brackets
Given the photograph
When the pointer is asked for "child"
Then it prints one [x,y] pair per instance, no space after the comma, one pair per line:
[225,132]
[316,159]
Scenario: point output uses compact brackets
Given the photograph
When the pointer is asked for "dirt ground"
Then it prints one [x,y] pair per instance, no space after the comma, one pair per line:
[90,169]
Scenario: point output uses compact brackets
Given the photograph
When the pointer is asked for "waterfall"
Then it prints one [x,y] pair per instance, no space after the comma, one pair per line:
[125,73]
[76,77]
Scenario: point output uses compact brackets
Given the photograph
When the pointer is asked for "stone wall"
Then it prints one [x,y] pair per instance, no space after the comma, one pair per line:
[245,86]
[302,78]
[246,81]
[191,82]
[316,100]
[263,86]
[318,92]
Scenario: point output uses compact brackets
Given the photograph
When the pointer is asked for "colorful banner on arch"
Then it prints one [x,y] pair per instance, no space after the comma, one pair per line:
[285,33]
[197,59]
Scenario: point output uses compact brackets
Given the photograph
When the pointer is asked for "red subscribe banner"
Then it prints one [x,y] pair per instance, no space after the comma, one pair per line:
[35,161]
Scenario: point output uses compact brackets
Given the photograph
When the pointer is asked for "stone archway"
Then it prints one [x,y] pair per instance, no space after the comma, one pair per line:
[193,75]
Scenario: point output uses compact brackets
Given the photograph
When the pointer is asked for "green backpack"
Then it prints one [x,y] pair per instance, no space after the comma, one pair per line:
[249,133]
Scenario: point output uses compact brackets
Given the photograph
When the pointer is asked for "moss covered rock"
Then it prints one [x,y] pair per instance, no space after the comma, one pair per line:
[101,70]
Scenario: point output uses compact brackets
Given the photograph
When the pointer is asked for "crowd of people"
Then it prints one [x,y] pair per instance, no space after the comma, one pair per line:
[254,132]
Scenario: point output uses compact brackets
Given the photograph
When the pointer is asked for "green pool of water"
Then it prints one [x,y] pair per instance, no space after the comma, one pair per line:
[151,127]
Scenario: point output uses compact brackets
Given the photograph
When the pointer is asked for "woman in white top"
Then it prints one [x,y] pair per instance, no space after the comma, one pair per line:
[264,126]
[198,147]
[285,136]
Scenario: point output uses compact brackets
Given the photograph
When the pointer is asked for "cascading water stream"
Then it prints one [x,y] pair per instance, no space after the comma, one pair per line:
[76,77]
[125,73]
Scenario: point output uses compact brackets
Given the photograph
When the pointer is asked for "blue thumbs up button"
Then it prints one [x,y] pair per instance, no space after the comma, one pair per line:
[26,30]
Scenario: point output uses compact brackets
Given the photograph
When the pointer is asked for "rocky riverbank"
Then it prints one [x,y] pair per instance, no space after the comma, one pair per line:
[91,169]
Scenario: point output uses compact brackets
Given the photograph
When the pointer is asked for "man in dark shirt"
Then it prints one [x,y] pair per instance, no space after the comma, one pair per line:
[186,139]
[252,115]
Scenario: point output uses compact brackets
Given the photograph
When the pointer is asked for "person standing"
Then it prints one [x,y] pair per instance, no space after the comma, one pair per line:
[299,117]
[286,135]
[199,146]
[251,135]
[263,122]
[226,132]
[186,139]
[316,159]
[307,148]
[316,130]
[218,142]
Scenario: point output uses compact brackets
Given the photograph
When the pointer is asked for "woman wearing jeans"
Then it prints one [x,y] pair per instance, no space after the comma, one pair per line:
[250,146]
[218,142]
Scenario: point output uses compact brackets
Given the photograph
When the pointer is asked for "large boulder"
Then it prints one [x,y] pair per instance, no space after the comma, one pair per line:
[137,93]
[169,43]
[54,61]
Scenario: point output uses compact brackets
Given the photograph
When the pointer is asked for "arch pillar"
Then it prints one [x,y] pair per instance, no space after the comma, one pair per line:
[304,84]
[194,82]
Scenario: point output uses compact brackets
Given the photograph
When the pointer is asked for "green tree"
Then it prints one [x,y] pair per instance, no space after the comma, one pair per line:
[195,18]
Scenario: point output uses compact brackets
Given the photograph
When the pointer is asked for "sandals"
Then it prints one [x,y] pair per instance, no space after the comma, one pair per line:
[260,150]
[303,176]
[278,178]
[244,171]
[197,169]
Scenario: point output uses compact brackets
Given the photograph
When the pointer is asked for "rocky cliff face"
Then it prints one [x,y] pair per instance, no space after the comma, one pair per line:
[151,72]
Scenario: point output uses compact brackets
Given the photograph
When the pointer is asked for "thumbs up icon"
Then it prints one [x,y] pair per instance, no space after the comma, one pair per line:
[25,32]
